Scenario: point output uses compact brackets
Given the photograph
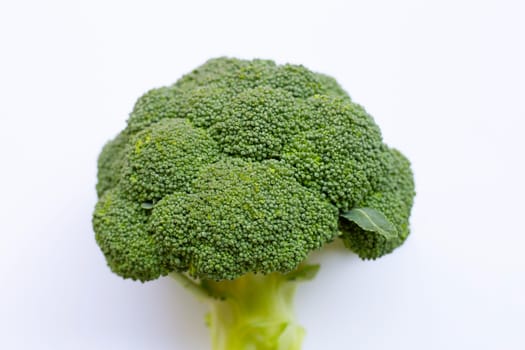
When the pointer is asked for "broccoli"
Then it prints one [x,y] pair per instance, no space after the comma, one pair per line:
[229,178]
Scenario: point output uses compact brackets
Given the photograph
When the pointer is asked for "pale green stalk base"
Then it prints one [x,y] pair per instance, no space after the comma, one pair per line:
[254,311]
[256,314]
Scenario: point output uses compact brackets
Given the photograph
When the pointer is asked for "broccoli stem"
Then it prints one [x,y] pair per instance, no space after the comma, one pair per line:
[254,312]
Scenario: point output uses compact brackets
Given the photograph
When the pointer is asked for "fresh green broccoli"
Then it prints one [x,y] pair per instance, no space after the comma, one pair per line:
[229,178]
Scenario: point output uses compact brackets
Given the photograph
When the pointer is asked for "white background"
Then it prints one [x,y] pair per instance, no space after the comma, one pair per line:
[444,79]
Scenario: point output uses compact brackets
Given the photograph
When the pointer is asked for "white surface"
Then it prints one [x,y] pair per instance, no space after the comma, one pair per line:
[444,80]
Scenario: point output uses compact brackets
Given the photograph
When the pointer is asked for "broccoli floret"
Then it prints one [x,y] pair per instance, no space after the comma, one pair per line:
[110,162]
[241,217]
[164,158]
[338,151]
[229,178]
[257,123]
[121,232]
[393,198]
[154,105]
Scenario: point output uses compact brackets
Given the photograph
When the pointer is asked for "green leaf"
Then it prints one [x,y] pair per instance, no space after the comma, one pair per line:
[192,285]
[147,205]
[303,273]
[371,220]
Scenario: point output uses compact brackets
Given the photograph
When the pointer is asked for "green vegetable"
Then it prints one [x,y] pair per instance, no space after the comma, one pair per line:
[229,178]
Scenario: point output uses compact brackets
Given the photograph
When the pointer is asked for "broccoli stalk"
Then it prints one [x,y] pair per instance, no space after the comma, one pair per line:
[253,311]
[256,313]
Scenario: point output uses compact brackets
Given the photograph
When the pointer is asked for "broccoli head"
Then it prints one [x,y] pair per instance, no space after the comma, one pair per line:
[230,177]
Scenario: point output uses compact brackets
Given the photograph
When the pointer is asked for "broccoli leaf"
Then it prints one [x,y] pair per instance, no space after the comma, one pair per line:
[371,220]
[147,205]
[303,273]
